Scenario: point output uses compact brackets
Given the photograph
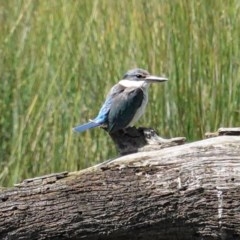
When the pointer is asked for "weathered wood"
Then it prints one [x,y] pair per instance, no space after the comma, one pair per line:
[224,131]
[183,192]
[132,140]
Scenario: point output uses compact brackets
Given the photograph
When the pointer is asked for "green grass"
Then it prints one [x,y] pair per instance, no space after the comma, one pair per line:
[59,58]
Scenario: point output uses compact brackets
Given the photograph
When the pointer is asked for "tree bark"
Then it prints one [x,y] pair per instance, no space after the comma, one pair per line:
[190,191]
[132,140]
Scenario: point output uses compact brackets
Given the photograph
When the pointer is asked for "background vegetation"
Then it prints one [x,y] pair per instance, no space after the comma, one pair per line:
[59,58]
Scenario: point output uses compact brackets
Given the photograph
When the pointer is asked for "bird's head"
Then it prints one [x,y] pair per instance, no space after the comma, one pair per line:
[138,77]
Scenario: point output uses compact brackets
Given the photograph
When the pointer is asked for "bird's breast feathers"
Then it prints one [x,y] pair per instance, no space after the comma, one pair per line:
[140,111]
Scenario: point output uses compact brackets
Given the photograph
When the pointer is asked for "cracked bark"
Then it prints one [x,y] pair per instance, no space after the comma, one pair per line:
[190,191]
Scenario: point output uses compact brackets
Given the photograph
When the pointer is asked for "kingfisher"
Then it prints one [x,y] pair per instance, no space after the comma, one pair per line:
[125,102]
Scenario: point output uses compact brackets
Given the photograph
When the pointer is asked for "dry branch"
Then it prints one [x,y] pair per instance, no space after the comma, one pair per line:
[190,191]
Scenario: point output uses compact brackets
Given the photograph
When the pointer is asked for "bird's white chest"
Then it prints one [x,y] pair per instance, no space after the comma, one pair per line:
[141,109]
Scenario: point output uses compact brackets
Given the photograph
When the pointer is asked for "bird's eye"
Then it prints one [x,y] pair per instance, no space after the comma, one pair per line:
[139,76]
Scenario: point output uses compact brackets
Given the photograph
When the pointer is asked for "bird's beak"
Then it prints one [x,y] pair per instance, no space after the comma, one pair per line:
[152,78]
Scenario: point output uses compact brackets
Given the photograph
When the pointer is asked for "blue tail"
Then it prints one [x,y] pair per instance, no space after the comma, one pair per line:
[86,126]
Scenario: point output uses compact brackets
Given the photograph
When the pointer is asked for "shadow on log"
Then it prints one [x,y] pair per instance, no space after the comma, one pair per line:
[190,191]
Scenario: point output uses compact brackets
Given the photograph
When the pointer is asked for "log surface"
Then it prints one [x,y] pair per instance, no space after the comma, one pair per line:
[190,191]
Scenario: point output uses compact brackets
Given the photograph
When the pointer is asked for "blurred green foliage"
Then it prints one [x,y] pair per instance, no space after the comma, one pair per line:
[59,58]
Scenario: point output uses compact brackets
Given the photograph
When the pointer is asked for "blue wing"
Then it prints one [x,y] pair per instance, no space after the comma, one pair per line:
[104,111]
[102,118]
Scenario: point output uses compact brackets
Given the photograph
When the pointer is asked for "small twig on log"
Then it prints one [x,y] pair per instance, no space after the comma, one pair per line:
[223,132]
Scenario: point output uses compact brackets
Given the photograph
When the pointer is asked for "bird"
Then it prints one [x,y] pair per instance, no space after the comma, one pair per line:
[125,102]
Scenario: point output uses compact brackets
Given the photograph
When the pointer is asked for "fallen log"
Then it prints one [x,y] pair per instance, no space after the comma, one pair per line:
[190,191]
